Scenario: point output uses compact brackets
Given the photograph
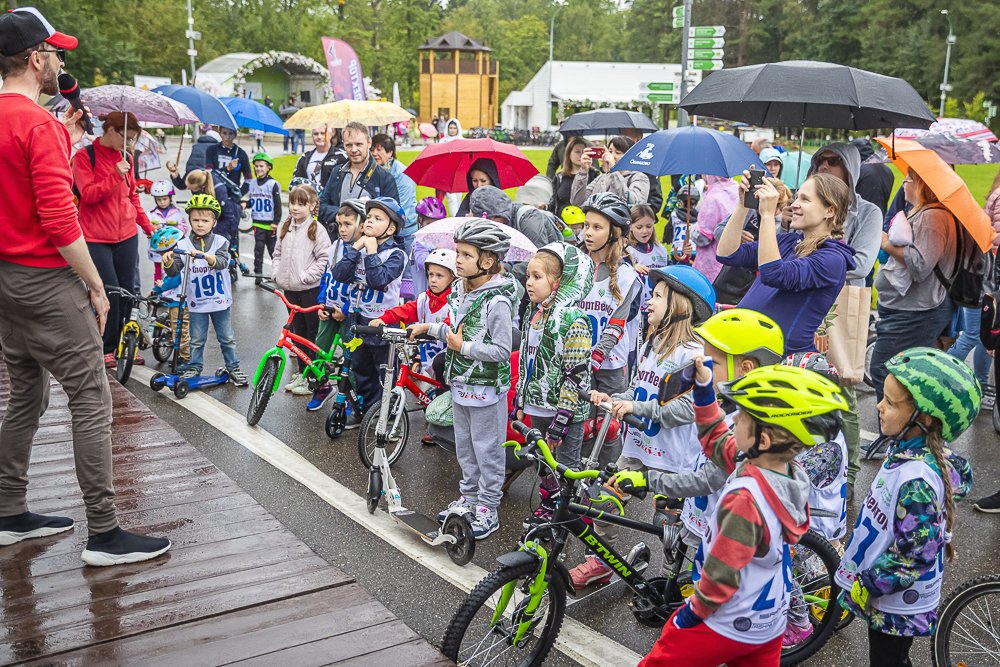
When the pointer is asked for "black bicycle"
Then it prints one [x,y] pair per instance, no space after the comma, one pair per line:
[968,631]
[513,616]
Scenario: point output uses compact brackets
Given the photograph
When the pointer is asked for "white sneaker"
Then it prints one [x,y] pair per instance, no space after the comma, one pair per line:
[486,522]
[468,503]
[302,388]
[296,379]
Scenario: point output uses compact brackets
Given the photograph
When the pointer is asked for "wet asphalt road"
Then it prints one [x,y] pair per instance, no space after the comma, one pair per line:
[428,478]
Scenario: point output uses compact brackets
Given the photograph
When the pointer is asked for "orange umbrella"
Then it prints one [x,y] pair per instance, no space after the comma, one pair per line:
[948,186]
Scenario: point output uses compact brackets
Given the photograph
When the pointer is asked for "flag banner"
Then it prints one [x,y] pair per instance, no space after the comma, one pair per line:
[346,79]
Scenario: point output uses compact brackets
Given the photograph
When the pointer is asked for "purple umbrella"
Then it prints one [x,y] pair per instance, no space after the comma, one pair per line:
[143,104]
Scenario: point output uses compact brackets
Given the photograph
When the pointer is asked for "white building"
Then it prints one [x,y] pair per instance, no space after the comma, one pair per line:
[601,83]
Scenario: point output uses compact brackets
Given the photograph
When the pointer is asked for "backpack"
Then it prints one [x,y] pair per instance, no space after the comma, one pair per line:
[93,163]
[969,276]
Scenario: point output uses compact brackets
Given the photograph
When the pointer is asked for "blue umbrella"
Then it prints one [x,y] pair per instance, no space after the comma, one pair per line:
[208,109]
[689,150]
[253,115]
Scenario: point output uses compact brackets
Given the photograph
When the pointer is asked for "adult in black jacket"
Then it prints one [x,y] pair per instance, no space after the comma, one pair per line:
[196,181]
[359,177]
[197,158]
[562,182]
[230,160]
[875,181]
[327,154]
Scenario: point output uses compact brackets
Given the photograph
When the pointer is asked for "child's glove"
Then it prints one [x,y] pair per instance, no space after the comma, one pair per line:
[685,618]
[559,428]
[631,481]
[596,360]
[859,594]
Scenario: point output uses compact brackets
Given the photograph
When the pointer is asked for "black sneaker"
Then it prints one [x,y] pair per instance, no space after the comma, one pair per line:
[541,516]
[117,547]
[258,281]
[989,397]
[353,421]
[989,504]
[25,526]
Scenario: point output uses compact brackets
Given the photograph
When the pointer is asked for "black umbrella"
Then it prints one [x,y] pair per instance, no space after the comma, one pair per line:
[805,93]
[603,121]
[953,150]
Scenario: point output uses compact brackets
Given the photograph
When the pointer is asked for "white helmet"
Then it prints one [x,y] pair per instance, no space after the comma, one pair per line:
[442,257]
[162,189]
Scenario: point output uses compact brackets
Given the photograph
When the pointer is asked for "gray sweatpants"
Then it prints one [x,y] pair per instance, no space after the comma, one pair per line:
[480,452]
[47,326]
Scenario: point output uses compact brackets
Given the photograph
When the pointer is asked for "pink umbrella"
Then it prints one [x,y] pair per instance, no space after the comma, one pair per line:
[441,234]
[955,127]
[428,130]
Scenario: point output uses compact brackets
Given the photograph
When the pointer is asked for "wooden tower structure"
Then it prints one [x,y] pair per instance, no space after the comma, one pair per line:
[458,80]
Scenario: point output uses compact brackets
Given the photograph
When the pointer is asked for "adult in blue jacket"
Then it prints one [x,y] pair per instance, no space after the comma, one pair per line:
[384,152]
[359,178]
[798,279]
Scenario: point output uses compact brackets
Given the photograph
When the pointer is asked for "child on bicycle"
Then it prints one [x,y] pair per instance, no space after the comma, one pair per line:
[477,366]
[740,602]
[430,307]
[429,209]
[334,295]
[164,214]
[377,259]
[554,360]
[209,290]
[265,211]
[892,567]
[300,256]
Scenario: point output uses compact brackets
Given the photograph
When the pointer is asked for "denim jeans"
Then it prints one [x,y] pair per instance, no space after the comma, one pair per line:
[900,330]
[222,321]
[298,137]
[969,340]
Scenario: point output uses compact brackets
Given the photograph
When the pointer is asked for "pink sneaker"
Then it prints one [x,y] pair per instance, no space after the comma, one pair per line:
[590,571]
[796,635]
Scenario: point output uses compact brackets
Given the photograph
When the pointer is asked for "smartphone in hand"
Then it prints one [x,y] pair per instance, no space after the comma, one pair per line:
[750,198]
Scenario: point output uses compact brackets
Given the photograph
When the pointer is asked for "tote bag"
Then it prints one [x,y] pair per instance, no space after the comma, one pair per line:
[843,336]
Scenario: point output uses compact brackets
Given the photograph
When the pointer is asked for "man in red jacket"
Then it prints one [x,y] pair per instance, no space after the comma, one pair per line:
[50,292]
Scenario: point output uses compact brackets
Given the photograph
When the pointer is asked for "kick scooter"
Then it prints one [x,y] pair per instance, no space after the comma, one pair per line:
[455,532]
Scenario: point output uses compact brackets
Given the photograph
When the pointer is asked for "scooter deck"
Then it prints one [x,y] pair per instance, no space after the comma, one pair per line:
[424,526]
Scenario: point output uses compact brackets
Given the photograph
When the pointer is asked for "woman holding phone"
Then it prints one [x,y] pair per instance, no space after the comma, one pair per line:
[798,279]
[562,183]
[632,186]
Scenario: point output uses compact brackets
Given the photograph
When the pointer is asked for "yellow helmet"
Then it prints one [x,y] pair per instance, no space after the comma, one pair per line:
[800,401]
[573,215]
[739,331]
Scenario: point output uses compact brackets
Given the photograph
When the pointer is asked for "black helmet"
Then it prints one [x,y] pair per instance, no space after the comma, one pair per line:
[612,207]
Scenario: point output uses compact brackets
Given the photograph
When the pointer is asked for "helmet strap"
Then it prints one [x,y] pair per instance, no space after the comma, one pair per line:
[754,450]
[913,421]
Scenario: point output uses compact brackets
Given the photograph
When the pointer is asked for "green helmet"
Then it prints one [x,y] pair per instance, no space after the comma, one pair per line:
[206,202]
[941,385]
[265,157]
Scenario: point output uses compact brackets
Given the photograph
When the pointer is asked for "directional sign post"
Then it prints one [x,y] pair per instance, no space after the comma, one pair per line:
[662,98]
[708,31]
[706,43]
[705,54]
[706,65]
[679,16]
[656,86]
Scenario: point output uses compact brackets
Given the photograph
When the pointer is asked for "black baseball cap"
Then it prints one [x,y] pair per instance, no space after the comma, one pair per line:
[25,27]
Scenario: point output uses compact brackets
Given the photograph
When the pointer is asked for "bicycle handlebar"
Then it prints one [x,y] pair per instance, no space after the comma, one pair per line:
[533,435]
[291,306]
[631,420]
[385,331]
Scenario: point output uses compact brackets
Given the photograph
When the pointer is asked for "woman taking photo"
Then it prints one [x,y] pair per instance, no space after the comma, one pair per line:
[632,186]
[562,184]
[798,279]
[109,213]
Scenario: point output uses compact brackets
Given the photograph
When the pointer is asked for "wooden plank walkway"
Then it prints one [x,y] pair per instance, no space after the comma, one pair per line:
[236,587]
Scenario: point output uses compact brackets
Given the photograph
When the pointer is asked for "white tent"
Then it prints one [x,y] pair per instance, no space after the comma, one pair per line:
[600,83]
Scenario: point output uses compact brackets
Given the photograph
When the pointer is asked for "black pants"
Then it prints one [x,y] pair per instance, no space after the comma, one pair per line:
[263,238]
[888,650]
[115,263]
[304,324]
[366,361]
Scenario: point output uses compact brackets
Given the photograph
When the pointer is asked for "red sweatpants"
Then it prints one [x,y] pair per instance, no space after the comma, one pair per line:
[701,646]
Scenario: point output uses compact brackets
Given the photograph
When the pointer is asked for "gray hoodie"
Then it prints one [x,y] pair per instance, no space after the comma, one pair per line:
[863,227]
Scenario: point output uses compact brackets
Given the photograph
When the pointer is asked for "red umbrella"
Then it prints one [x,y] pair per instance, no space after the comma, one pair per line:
[444,166]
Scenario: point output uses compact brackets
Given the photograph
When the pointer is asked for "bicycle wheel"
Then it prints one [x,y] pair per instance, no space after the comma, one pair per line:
[967,630]
[996,417]
[163,344]
[868,365]
[262,391]
[473,638]
[394,444]
[123,369]
[246,222]
[813,566]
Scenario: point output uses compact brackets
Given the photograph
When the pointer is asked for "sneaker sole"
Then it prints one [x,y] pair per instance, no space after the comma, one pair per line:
[602,579]
[976,507]
[489,532]
[8,537]
[101,559]
[351,427]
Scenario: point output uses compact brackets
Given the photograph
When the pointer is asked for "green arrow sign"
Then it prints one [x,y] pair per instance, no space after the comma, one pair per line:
[706,43]
[705,54]
[679,16]
[655,85]
[668,98]
[708,65]
[708,31]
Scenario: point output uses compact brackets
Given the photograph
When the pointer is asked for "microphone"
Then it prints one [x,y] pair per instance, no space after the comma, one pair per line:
[70,89]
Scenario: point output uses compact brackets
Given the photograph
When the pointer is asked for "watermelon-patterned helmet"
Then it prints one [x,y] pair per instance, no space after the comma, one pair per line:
[941,385]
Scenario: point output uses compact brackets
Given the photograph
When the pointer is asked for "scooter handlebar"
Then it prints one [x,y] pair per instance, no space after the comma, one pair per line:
[631,420]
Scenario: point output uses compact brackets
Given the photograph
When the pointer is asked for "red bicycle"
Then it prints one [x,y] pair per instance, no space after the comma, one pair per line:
[396,425]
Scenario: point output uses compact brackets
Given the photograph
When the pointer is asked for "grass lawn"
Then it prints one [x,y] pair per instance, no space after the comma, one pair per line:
[978,177]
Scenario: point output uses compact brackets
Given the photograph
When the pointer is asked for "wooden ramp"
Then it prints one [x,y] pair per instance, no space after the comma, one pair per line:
[235,588]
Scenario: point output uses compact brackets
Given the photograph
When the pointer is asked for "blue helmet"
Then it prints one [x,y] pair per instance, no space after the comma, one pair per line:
[691,283]
[164,239]
[392,209]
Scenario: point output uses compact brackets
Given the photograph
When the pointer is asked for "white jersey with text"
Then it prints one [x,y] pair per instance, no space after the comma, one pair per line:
[425,315]
[373,302]
[209,290]
[873,535]
[833,496]
[657,258]
[599,305]
[262,200]
[758,611]
[698,511]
